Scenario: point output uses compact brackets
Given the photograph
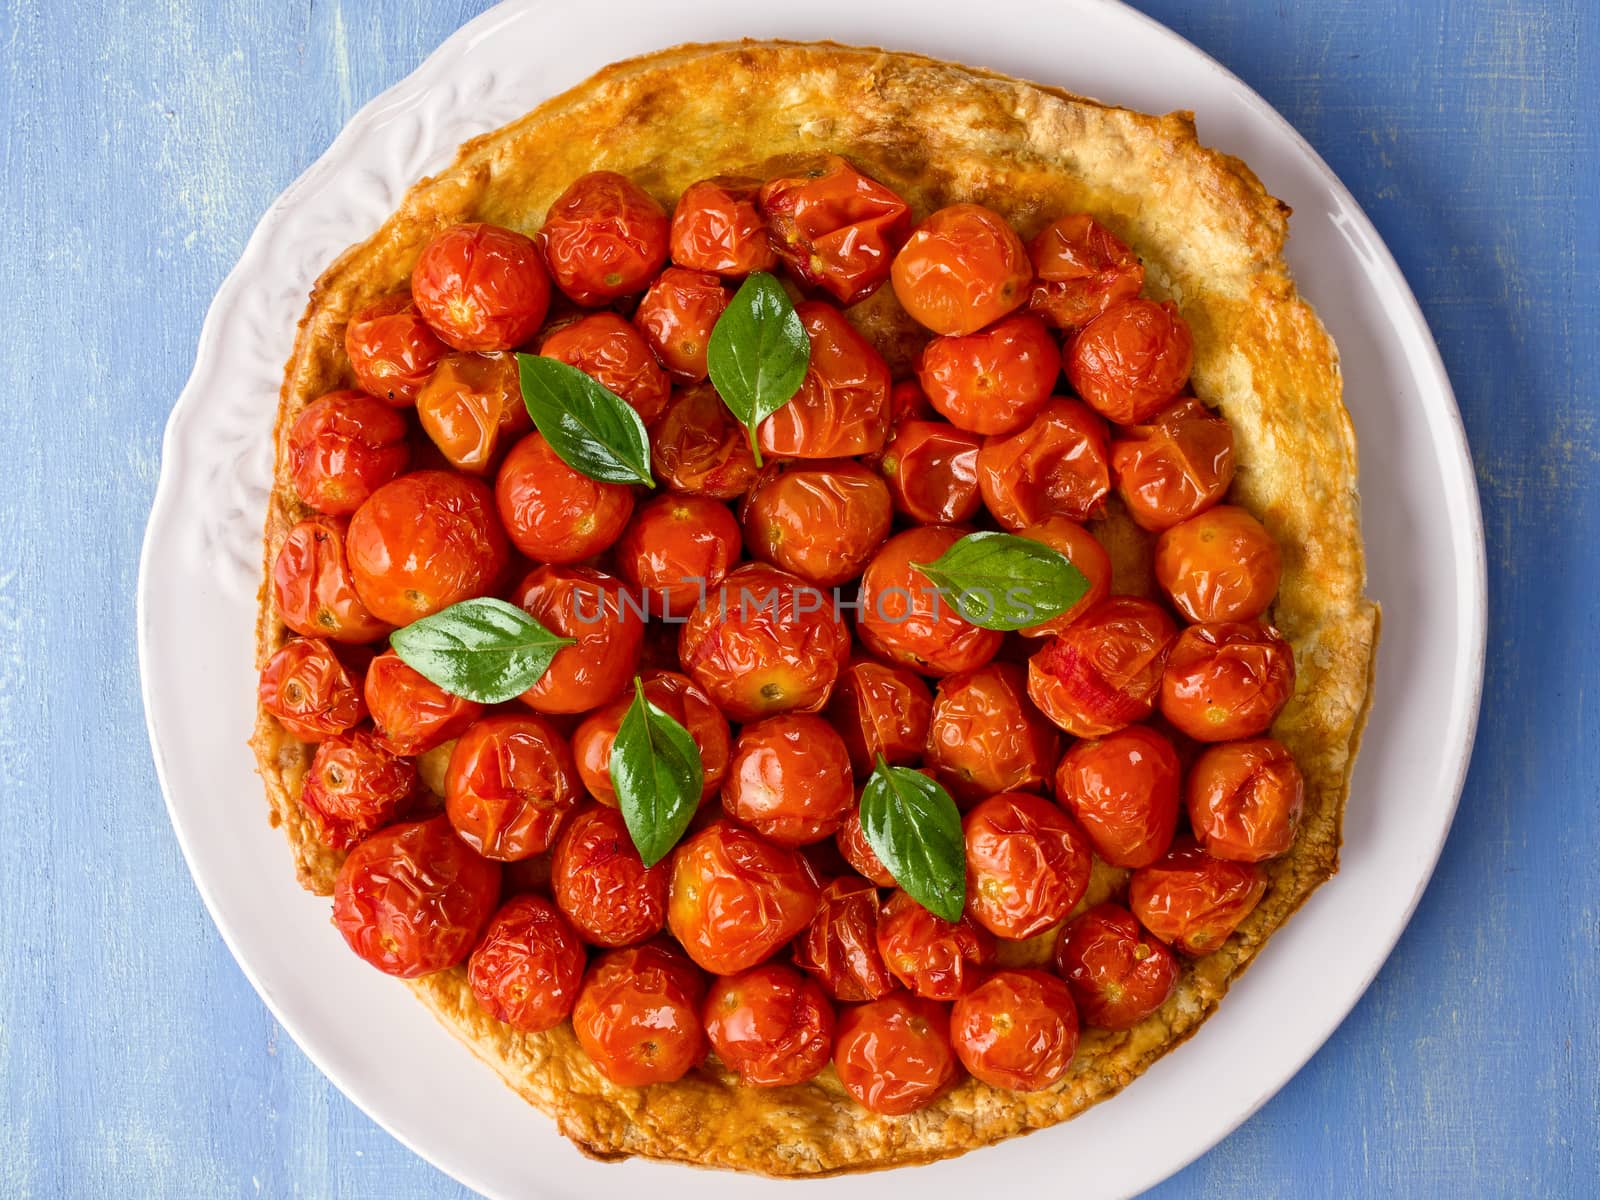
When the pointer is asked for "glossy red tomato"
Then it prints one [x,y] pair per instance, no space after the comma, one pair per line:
[606,622]
[700,449]
[717,226]
[638,1015]
[343,447]
[412,898]
[1084,551]
[994,382]
[893,1055]
[765,642]
[510,783]
[1056,466]
[309,691]
[682,699]
[611,351]
[1080,269]
[1130,361]
[1245,800]
[424,542]
[1123,788]
[1178,465]
[677,549]
[527,969]
[1118,973]
[932,471]
[553,513]
[604,237]
[963,268]
[840,946]
[601,883]
[789,779]
[842,407]
[1104,671]
[1222,565]
[410,714]
[904,618]
[471,408]
[928,954]
[312,588]
[908,402]
[835,229]
[880,709]
[481,287]
[985,735]
[851,841]
[821,520]
[391,349]
[770,1025]
[736,897]
[1028,864]
[677,316]
[1227,681]
[1018,1029]
[1193,901]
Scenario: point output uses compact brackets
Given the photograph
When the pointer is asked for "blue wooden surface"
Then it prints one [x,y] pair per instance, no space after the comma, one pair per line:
[142,140]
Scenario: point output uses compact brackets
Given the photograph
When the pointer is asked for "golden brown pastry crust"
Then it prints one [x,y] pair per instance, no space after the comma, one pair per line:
[1212,240]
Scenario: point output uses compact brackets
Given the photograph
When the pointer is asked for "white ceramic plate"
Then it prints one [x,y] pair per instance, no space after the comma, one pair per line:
[202,561]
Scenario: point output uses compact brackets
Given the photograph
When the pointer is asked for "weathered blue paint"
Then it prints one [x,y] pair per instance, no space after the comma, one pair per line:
[143,138]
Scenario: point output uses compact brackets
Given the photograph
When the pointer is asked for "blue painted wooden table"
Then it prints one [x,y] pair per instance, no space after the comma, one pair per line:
[143,138]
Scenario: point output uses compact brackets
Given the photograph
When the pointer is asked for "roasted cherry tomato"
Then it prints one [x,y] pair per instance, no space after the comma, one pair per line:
[893,1055]
[1222,565]
[842,407]
[1192,900]
[851,841]
[700,449]
[481,287]
[309,691]
[1080,269]
[343,447]
[527,969]
[1028,863]
[932,471]
[604,237]
[602,884]
[770,1025]
[677,549]
[1123,788]
[410,714]
[908,402]
[424,542]
[1178,465]
[994,382]
[963,268]
[820,520]
[312,588]
[412,898]
[789,779]
[1118,973]
[391,349]
[472,409]
[606,622]
[608,349]
[1084,551]
[682,699]
[1131,360]
[928,954]
[717,226]
[1227,681]
[638,1015]
[881,709]
[834,228]
[553,513]
[736,897]
[985,735]
[1056,466]
[1104,670]
[1018,1029]
[840,946]
[510,784]
[904,617]
[1245,800]
[765,642]
[677,316]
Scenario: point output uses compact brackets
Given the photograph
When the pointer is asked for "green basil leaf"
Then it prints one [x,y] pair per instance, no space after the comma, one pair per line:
[914,828]
[591,428]
[656,770]
[485,649]
[758,353]
[1001,581]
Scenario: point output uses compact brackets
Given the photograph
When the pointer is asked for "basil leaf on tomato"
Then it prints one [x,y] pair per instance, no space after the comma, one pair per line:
[758,353]
[485,649]
[1001,581]
[657,774]
[914,828]
[592,429]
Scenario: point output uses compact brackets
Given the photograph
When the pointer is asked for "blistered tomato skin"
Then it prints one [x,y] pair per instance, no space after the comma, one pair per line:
[789,779]
[851,841]
[842,407]
[410,714]
[1018,1029]
[928,954]
[881,709]
[676,549]
[615,354]
[893,1055]
[681,699]
[1222,565]
[992,382]
[309,691]
[736,898]
[1123,788]
[1245,800]
[554,514]
[391,349]
[985,736]
[481,287]
[1118,973]
[602,885]
[1028,864]
[1080,269]
[834,228]
[313,590]
[604,237]
[1178,465]
[412,898]
[840,946]
[820,520]
[1056,466]
[343,447]
[510,784]
[1227,681]
[605,621]
[700,449]
[932,471]
[1192,900]
[471,409]
[677,316]
[904,618]
[963,268]
[1104,670]
[638,1015]
[1084,551]
[770,1025]
[717,226]
[424,542]
[1131,361]
[527,969]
